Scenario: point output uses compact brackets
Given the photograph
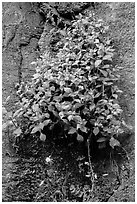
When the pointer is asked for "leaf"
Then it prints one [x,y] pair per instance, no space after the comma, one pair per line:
[66,106]
[96,131]
[104,73]
[88,67]
[4,111]
[61,114]
[46,122]
[107,57]
[17,132]
[97,63]
[52,88]
[102,145]
[50,108]
[72,131]
[115,96]
[92,107]
[36,129]
[114,142]
[62,32]
[77,105]
[77,118]
[72,188]
[5,125]
[7,99]
[109,130]
[17,112]
[35,107]
[9,114]
[97,95]
[42,137]
[101,139]
[36,76]
[67,90]
[108,83]
[82,128]
[47,115]
[109,116]
[70,117]
[80,138]
[106,66]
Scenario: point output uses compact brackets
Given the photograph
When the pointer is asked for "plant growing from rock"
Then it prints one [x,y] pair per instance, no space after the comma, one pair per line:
[74,95]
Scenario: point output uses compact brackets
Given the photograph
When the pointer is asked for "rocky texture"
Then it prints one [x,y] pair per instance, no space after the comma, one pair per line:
[22,28]
[67,10]
[20,38]
[120,17]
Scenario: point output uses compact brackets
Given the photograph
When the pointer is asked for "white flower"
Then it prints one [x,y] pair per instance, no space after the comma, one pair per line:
[48,159]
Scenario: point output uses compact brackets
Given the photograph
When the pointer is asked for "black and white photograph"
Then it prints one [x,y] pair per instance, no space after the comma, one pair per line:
[68,101]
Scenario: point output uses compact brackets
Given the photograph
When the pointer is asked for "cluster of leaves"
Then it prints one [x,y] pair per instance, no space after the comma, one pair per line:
[74,94]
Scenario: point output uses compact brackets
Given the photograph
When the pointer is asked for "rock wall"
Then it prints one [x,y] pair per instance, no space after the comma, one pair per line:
[22,27]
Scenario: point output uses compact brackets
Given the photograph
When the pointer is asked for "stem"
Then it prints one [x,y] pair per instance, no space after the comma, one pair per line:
[103,89]
[90,165]
[14,123]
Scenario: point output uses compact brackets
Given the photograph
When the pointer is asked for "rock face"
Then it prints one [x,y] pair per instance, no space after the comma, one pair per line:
[66,10]
[22,28]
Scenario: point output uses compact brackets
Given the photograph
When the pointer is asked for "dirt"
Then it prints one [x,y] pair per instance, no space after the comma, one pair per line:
[29,176]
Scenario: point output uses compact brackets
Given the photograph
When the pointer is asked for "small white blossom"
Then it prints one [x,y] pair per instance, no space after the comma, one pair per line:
[48,159]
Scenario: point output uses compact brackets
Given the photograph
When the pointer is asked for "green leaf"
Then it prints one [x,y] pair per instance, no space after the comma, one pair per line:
[42,137]
[106,66]
[92,107]
[36,129]
[72,131]
[109,116]
[96,131]
[77,118]
[46,122]
[108,83]
[52,88]
[4,111]
[66,106]
[77,105]
[97,95]
[9,114]
[102,145]
[7,99]
[17,112]
[35,108]
[17,132]
[5,125]
[104,73]
[67,90]
[62,32]
[101,139]
[80,138]
[115,96]
[109,130]
[97,63]
[114,142]
[47,115]
[107,57]
[36,76]
[82,128]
